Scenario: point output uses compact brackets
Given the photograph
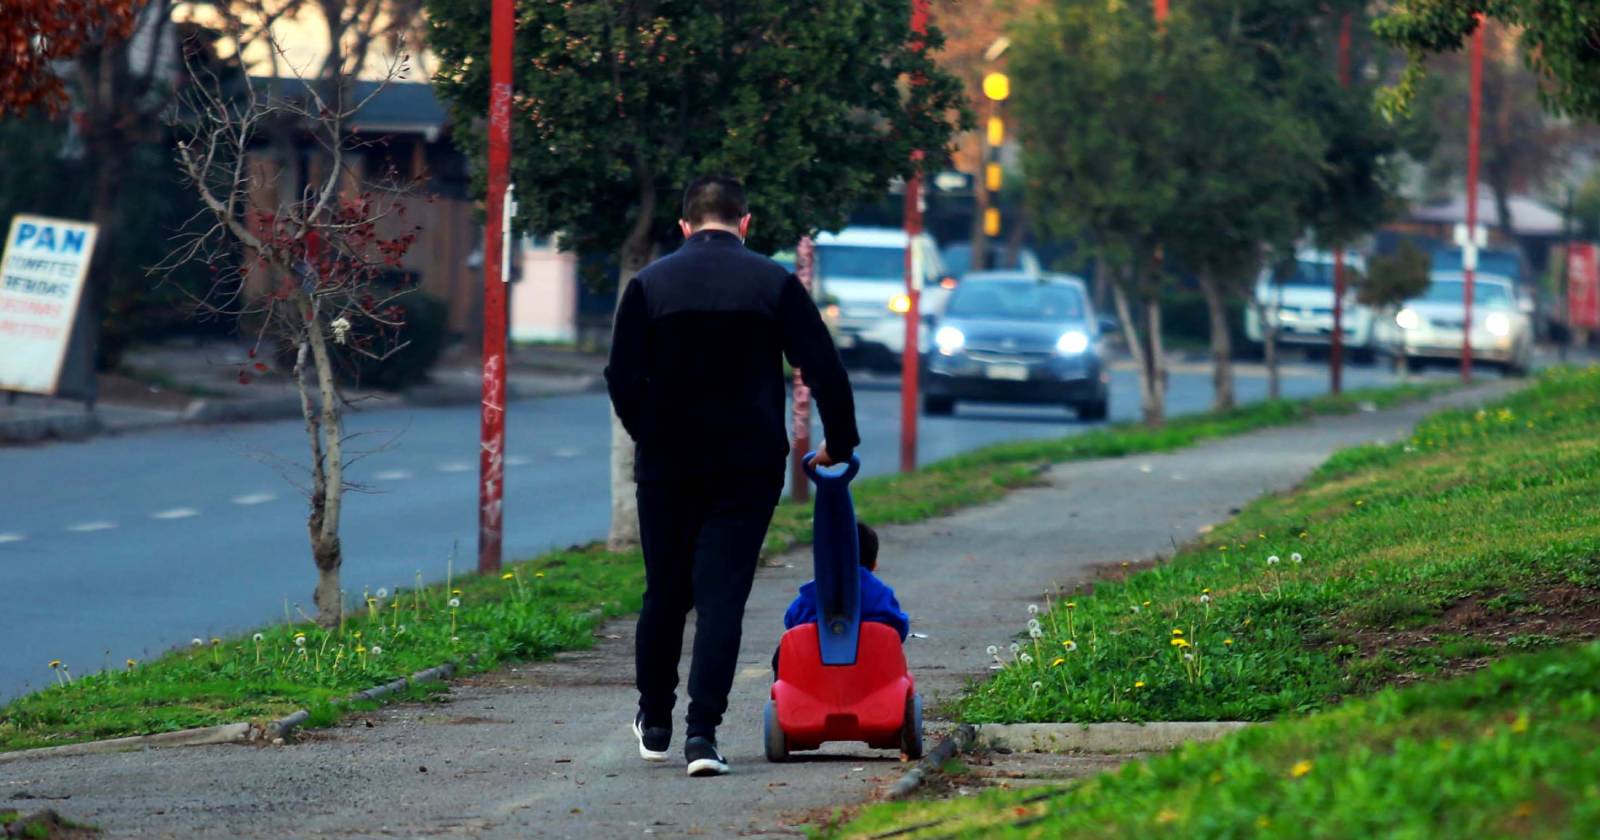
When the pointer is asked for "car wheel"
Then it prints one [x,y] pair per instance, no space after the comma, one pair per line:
[938,406]
[1097,410]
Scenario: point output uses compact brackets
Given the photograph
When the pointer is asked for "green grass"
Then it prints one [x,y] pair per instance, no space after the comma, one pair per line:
[1489,513]
[37,829]
[529,617]
[1510,751]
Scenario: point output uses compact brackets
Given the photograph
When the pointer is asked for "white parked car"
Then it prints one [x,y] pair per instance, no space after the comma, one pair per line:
[861,274]
[1301,303]
[1430,325]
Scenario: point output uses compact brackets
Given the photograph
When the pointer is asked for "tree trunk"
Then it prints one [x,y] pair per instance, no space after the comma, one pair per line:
[1222,396]
[324,428]
[634,255]
[1269,340]
[1155,413]
[1148,398]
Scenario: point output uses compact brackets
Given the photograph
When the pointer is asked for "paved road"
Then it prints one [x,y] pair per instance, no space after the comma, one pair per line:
[124,546]
[542,750]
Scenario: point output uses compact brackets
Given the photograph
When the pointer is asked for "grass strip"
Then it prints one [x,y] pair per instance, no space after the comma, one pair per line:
[1509,751]
[1478,537]
[541,606]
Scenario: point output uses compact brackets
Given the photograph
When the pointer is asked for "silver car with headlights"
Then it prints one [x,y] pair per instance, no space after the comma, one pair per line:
[1430,326]
[1019,338]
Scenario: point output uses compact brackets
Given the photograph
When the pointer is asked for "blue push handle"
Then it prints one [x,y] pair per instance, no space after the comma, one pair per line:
[836,555]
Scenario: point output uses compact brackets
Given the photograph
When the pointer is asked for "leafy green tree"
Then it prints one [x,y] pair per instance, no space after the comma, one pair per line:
[619,103]
[1558,36]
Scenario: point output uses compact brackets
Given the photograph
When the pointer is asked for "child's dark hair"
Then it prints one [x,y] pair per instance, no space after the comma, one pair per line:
[867,539]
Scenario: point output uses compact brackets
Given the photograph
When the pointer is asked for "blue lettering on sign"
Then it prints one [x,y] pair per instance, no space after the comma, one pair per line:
[45,238]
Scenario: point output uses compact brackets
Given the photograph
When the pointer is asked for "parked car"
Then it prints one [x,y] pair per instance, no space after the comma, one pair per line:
[1018,337]
[1430,326]
[861,279]
[958,258]
[1301,303]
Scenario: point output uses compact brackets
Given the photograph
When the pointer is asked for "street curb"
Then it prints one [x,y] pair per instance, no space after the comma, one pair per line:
[1156,736]
[69,426]
[282,727]
[957,742]
[225,734]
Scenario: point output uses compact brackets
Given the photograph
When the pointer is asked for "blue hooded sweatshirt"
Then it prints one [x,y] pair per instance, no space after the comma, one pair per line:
[877,604]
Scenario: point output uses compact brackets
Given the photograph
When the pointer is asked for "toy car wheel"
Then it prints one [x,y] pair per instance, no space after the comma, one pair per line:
[911,729]
[777,743]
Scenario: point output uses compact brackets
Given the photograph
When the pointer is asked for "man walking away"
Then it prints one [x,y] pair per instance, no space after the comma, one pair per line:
[696,376]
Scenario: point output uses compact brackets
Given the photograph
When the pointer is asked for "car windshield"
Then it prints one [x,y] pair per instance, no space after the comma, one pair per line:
[1307,274]
[1021,300]
[862,262]
[1483,293]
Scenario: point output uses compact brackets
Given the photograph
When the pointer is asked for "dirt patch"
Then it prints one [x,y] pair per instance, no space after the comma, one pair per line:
[47,824]
[1477,630]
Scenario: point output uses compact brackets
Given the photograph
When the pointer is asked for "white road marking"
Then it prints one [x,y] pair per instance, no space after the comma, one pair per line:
[253,498]
[394,475]
[518,461]
[86,527]
[455,467]
[11,538]
[175,513]
[567,453]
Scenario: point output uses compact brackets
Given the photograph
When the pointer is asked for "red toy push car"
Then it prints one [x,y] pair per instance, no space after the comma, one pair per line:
[840,679]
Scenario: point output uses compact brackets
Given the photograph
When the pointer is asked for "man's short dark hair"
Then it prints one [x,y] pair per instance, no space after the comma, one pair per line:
[867,539]
[714,198]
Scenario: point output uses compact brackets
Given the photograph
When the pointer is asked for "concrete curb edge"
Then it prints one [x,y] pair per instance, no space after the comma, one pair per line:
[1155,736]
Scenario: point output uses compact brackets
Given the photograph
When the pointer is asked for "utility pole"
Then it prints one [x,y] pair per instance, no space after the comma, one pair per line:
[805,267]
[910,356]
[1469,250]
[496,274]
[1336,349]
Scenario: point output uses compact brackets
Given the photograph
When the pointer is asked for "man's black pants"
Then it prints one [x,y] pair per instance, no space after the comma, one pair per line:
[701,537]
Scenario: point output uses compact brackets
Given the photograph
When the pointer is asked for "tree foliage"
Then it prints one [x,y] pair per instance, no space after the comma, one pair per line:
[619,104]
[1392,279]
[1561,40]
[36,35]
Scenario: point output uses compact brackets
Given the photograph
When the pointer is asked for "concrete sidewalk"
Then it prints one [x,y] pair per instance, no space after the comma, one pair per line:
[543,750]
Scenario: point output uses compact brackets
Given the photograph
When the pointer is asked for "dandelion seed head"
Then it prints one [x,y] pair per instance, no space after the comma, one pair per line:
[377,650]
[1033,624]
[1295,557]
[383,593]
[1188,657]
[1273,560]
[1069,646]
[1033,609]
[992,650]
[1034,632]
[196,642]
[1205,599]
[1014,647]
[454,603]
[1026,659]
[258,637]
[1037,685]
[300,641]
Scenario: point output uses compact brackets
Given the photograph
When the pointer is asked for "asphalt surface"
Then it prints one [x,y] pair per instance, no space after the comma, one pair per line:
[124,546]
[543,750]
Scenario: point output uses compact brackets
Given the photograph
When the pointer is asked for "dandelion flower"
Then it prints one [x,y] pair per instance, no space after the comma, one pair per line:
[993,651]
[538,574]
[1300,768]
[1206,591]
[1177,642]
[1034,633]
[1069,646]
[132,662]
[1295,557]
[1177,632]
[1304,534]
[215,642]
[377,650]
[1072,605]
[258,637]
[1147,603]
[1033,609]
[1273,560]
[196,642]
[507,576]
[1057,661]
[1228,642]
[456,592]
[1037,685]
[54,664]
[454,603]
[1138,684]
[361,649]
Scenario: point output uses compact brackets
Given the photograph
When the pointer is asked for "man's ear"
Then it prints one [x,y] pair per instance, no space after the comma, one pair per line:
[683,225]
[744,226]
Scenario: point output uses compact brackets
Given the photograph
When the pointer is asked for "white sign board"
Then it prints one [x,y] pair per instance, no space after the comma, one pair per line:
[41,280]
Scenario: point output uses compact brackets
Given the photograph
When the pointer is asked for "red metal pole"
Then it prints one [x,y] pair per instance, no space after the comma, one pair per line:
[1469,251]
[1336,350]
[910,356]
[491,460]
[805,254]
[1161,11]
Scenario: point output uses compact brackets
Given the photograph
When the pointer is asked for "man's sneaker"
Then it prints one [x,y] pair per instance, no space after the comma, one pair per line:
[704,760]
[653,740]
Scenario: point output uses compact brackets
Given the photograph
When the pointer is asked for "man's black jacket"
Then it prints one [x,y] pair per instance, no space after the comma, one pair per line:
[696,370]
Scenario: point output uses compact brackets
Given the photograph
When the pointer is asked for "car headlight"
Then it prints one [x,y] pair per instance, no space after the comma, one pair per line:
[900,304]
[1497,324]
[1072,342]
[949,340]
[1408,319]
